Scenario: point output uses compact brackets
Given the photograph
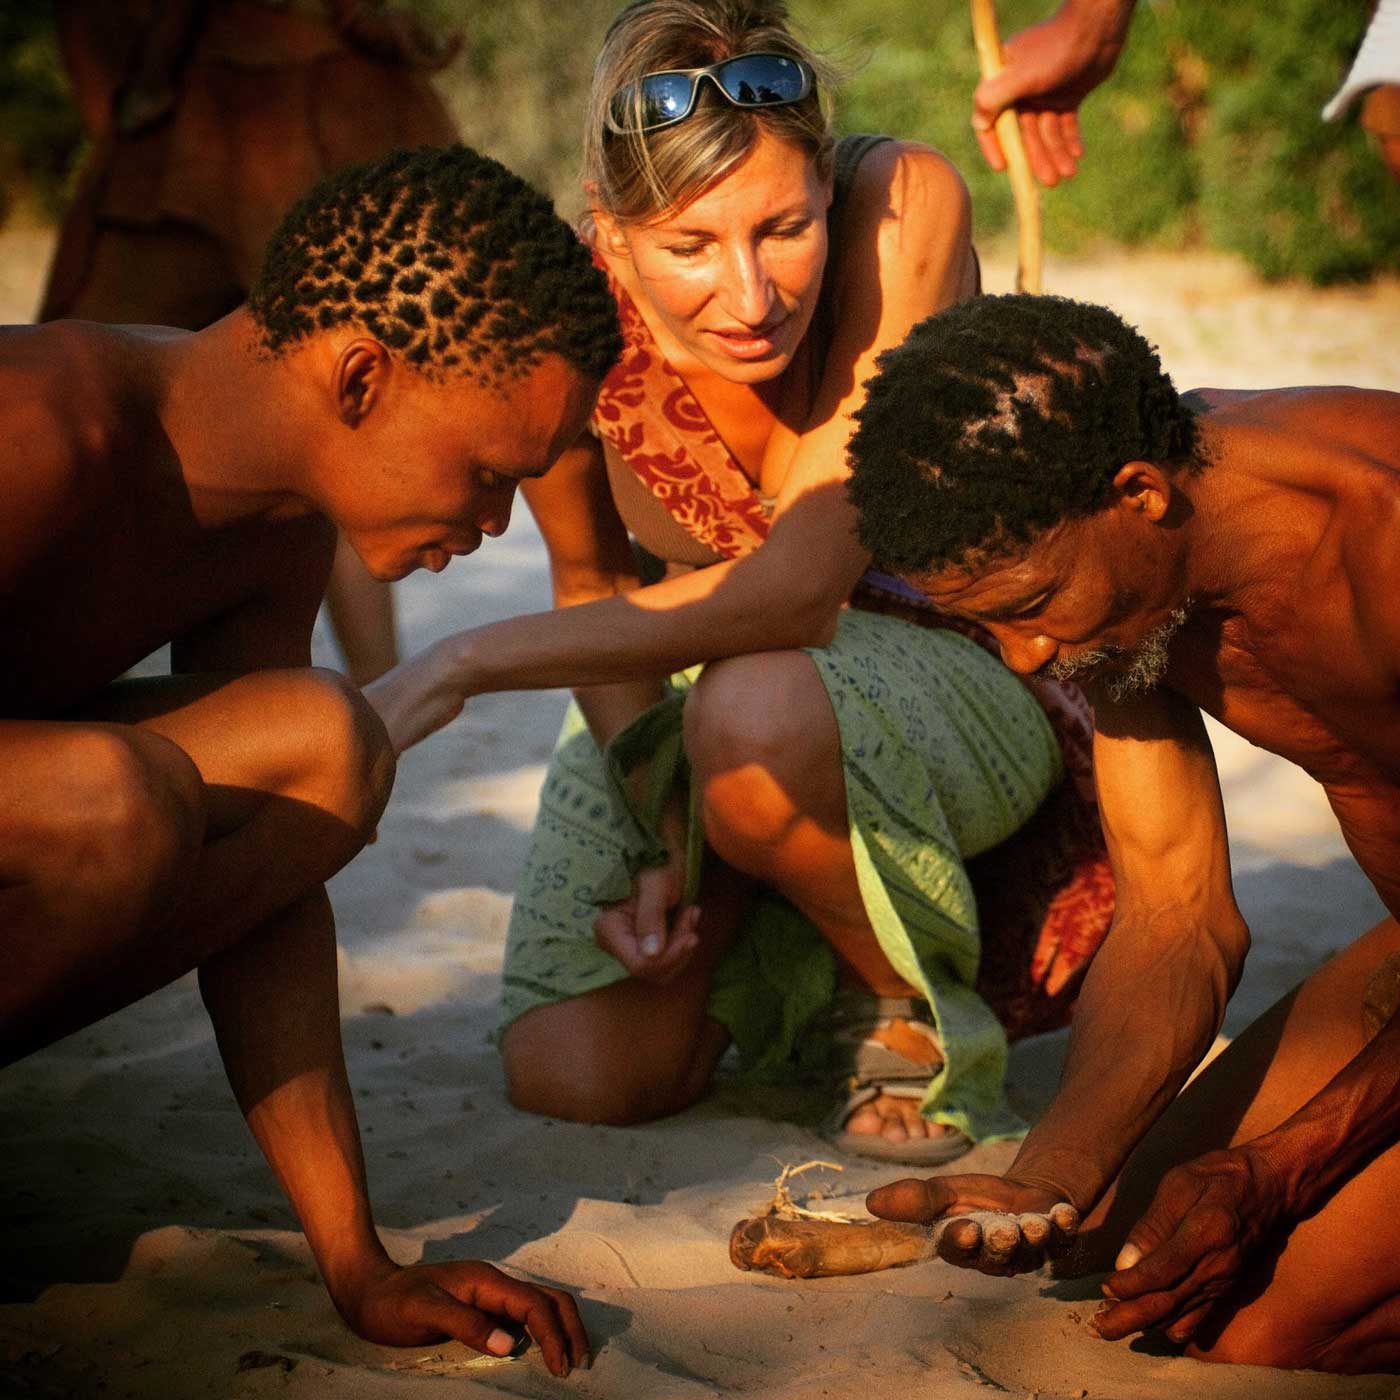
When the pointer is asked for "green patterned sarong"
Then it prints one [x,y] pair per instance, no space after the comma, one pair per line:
[946,754]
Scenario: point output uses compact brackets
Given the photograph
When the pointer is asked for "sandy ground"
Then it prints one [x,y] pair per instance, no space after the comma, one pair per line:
[146,1251]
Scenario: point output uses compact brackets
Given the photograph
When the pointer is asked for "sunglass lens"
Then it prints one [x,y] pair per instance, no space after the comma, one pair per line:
[761,80]
[665,97]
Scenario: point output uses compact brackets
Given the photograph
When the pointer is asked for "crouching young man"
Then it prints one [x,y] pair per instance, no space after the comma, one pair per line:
[425,335]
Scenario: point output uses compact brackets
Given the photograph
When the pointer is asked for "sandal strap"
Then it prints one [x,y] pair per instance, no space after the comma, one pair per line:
[883,1040]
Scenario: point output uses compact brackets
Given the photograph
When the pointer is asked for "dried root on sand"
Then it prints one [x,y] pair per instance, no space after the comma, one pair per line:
[792,1241]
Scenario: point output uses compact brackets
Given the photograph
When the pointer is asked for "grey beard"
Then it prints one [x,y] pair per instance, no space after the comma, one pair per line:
[1132,672]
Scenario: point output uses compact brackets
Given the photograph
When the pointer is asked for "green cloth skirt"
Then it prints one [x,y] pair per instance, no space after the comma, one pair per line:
[945,754]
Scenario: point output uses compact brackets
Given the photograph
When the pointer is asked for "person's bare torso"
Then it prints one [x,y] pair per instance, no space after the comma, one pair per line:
[1308,667]
[104,559]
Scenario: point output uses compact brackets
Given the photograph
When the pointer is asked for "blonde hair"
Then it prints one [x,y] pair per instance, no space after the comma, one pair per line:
[637,176]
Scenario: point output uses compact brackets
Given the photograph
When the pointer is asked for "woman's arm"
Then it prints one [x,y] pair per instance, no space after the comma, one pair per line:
[906,253]
[590,558]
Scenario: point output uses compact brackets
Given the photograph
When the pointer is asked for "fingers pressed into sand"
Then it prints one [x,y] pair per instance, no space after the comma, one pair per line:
[1036,1230]
[579,1348]
[1167,1286]
[1153,1310]
[1164,1267]
[1185,1327]
[542,1312]
[453,1318]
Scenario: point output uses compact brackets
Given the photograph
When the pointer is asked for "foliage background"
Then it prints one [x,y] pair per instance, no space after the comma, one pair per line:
[1207,134]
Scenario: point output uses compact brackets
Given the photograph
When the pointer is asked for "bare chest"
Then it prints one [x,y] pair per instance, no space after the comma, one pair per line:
[122,582]
[1307,691]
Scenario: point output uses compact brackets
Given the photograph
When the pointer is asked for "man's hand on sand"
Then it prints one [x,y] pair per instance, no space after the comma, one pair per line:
[1050,68]
[1191,1246]
[469,1302]
[988,1223]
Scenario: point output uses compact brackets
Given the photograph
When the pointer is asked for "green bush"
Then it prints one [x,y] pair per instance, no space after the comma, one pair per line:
[1207,133]
[1209,129]
[40,135]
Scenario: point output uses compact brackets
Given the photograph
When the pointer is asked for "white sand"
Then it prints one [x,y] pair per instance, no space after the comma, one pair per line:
[147,1250]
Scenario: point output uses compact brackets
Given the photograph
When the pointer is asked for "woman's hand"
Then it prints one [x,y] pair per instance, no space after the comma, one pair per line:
[652,938]
[1192,1245]
[420,695]
[468,1301]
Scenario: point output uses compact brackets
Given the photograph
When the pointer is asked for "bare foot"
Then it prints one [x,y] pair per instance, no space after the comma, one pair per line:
[894,1118]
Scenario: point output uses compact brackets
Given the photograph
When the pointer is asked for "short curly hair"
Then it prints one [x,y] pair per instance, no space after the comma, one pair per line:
[448,259]
[998,419]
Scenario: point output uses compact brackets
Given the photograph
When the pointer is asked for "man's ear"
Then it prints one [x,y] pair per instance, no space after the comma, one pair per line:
[360,378]
[1145,489]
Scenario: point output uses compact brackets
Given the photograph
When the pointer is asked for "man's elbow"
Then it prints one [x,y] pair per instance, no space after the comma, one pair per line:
[1231,937]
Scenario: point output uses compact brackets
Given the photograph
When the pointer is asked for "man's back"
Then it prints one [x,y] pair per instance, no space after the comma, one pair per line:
[1304,660]
[103,554]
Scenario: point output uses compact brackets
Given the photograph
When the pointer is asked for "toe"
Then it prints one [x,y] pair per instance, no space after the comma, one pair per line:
[894,1129]
[865,1120]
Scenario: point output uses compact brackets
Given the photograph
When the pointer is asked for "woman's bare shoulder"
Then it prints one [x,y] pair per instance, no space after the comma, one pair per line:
[908,179]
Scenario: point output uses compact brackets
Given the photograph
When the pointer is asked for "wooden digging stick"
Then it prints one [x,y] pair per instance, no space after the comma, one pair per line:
[1023,187]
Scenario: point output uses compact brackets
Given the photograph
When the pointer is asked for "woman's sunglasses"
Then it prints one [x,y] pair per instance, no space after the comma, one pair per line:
[667,97]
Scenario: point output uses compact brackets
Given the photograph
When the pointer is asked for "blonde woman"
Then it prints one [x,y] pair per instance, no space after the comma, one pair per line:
[769,850]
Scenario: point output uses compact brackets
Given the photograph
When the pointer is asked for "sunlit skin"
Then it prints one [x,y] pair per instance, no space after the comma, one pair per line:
[425,481]
[1070,595]
[727,284]
[1258,1214]
[172,487]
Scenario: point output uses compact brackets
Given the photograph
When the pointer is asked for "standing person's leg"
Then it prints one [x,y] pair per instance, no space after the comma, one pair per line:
[1327,1294]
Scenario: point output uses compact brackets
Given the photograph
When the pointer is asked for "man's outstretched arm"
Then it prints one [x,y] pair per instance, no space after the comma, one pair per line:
[1050,69]
[274,1004]
[1155,995]
[272,993]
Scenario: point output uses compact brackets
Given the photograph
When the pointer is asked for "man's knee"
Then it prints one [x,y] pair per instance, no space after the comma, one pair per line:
[130,812]
[349,762]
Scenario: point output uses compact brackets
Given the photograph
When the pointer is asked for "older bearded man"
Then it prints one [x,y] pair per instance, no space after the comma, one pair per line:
[1026,462]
